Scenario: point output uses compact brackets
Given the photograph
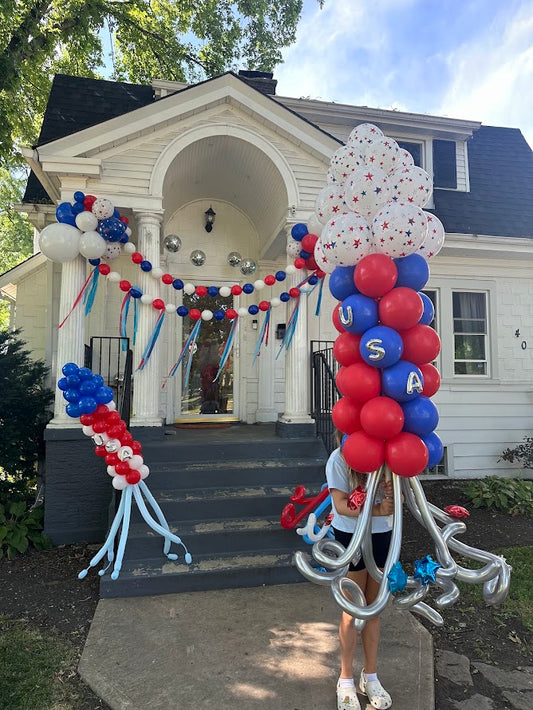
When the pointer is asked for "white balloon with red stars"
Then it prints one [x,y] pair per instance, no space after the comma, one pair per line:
[113,251]
[322,260]
[330,202]
[102,208]
[399,229]
[405,159]
[434,240]
[411,184]
[293,248]
[364,134]
[384,153]
[366,191]
[346,239]
[344,161]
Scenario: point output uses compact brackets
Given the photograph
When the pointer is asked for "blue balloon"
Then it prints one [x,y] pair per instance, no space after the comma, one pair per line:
[135,292]
[78,207]
[304,254]
[116,213]
[73,410]
[413,271]
[358,313]
[62,384]
[219,314]
[87,405]
[212,291]
[402,381]
[111,229]
[65,215]
[94,262]
[429,311]
[79,196]
[98,379]
[73,381]
[435,448]
[84,373]
[146,265]
[103,395]
[381,346]
[421,416]
[71,395]
[341,284]
[88,387]
[248,288]
[299,231]
[70,368]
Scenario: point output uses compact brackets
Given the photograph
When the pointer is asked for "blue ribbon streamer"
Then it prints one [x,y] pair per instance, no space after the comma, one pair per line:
[291,327]
[196,331]
[227,348]
[124,320]
[151,341]
[192,335]
[135,318]
[90,293]
[319,299]
[261,336]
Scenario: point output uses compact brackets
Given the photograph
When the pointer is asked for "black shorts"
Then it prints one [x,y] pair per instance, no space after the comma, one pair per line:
[380,547]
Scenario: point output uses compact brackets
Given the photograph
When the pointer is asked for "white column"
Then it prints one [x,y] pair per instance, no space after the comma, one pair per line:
[147,382]
[297,404]
[71,337]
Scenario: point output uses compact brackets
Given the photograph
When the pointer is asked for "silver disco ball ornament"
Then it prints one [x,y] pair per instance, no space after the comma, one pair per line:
[248,266]
[172,243]
[198,257]
[234,258]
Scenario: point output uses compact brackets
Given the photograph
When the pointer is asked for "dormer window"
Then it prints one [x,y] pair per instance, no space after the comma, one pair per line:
[444,164]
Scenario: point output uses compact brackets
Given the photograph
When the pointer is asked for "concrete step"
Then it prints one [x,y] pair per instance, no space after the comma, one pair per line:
[244,472]
[236,536]
[161,576]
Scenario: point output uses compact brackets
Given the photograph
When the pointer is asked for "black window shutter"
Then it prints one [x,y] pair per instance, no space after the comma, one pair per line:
[415,149]
[444,164]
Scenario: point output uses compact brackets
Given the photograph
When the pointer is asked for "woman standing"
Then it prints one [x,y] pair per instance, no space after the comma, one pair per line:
[342,480]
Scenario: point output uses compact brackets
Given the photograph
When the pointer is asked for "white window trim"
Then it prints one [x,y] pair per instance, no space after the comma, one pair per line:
[445,288]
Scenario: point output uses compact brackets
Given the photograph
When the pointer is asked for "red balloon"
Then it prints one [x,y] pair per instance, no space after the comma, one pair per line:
[406,454]
[346,349]
[112,459]
[99,426]
[335,318]
[136,447]
[401,308]
[359,381]
[382,418]
[421,344]
[310,263]
[88,202]
[100,451]
[308,242]
[363,453]
[431,379]
[345,415]
[126,438]
[133,477]
[375,275]
[87,419]
[101,411]
[122,468]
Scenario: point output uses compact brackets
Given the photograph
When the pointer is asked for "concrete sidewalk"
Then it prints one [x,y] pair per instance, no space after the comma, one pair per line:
[273,648]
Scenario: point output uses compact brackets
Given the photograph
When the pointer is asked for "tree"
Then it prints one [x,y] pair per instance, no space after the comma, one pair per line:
[171,39]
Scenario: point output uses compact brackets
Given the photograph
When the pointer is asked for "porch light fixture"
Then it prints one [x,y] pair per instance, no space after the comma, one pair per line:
[210,215]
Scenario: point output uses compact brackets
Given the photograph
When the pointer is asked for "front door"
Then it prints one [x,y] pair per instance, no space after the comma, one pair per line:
[203,394]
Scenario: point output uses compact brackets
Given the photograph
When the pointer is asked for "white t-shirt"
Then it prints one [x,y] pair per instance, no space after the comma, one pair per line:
[337,477]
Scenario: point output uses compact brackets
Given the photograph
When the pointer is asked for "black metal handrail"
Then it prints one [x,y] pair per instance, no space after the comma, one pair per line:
[112,358]
[324,392]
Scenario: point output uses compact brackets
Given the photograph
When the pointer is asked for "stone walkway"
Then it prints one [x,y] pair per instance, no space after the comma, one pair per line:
[516,686]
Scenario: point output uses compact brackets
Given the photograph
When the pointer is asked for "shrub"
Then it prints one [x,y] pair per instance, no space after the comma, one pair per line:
[19,527]
[513,496]
[523,453]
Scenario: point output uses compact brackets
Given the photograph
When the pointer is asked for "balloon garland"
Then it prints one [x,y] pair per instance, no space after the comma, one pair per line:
[375,243]
[90,400]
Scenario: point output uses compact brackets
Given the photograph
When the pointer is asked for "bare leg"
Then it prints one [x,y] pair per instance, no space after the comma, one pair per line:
[370,633]
[347,632]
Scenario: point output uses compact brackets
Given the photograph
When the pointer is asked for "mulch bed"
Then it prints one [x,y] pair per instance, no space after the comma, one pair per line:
[43,588]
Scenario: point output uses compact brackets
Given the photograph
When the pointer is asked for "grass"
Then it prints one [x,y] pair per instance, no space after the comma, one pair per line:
[37,669]
[519,603]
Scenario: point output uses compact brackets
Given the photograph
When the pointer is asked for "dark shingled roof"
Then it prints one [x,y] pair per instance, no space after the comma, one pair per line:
[500,201]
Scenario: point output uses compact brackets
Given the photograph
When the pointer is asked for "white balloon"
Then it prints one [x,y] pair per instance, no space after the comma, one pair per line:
[60,242]
[367,190]
[321,259]
[129,247]
[384,153]
[87,430]
[207,315]
[102,208]
[119,483]
[112,251]
[411,184]
[293,248]
[224,291]
[136,462]
[114,277]
[399,229]
[156,272]
[434,240]
[144,471]
[92,245]
[329,202]
[147,299]
[189,289]
[363,134]
[346,239]
[242,311]
[344,161]
[314,225]
[259,285]
[86,221]
[170,308]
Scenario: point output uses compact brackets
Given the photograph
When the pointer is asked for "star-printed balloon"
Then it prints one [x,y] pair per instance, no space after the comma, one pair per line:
[346,239]
[399,229]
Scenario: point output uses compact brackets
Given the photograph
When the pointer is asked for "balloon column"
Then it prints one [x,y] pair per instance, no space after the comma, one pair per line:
[376,243]
[92,402]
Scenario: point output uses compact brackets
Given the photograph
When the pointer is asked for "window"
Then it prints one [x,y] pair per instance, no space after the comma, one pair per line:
[415,149]
[444,164]
[470,333]
[441,468]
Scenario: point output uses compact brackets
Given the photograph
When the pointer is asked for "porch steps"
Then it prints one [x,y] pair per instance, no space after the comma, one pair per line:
[223,497]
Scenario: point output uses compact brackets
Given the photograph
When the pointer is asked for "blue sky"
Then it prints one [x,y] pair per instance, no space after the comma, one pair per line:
[470,59]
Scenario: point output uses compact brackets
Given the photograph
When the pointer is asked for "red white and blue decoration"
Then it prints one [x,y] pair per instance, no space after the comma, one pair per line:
[92,402]
[375,243]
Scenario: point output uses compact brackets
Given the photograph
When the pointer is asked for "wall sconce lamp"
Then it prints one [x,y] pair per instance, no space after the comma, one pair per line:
[210,215]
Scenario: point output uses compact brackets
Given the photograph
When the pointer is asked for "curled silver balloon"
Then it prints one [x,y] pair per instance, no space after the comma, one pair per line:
[423,609]
[312,574]
[409,600]
[352,590]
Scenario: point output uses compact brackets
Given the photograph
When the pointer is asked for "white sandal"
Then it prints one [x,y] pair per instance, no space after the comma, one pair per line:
[376,693]
[347,698]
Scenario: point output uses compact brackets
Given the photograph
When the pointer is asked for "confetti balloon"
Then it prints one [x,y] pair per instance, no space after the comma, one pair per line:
[399,229]
[366,190]
[346,239]
[102,208]
[329,202]
[434,240]
[411,184]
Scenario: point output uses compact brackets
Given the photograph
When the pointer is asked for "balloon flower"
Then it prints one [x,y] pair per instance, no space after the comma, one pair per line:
[90,400]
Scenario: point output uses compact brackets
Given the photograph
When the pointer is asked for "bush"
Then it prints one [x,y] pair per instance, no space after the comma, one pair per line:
[513,496]
[24,413]
[19,527]
[522,454]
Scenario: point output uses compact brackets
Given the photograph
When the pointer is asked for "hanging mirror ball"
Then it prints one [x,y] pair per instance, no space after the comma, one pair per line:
[234,258]
[172,243]
[198,257]
[248,266]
